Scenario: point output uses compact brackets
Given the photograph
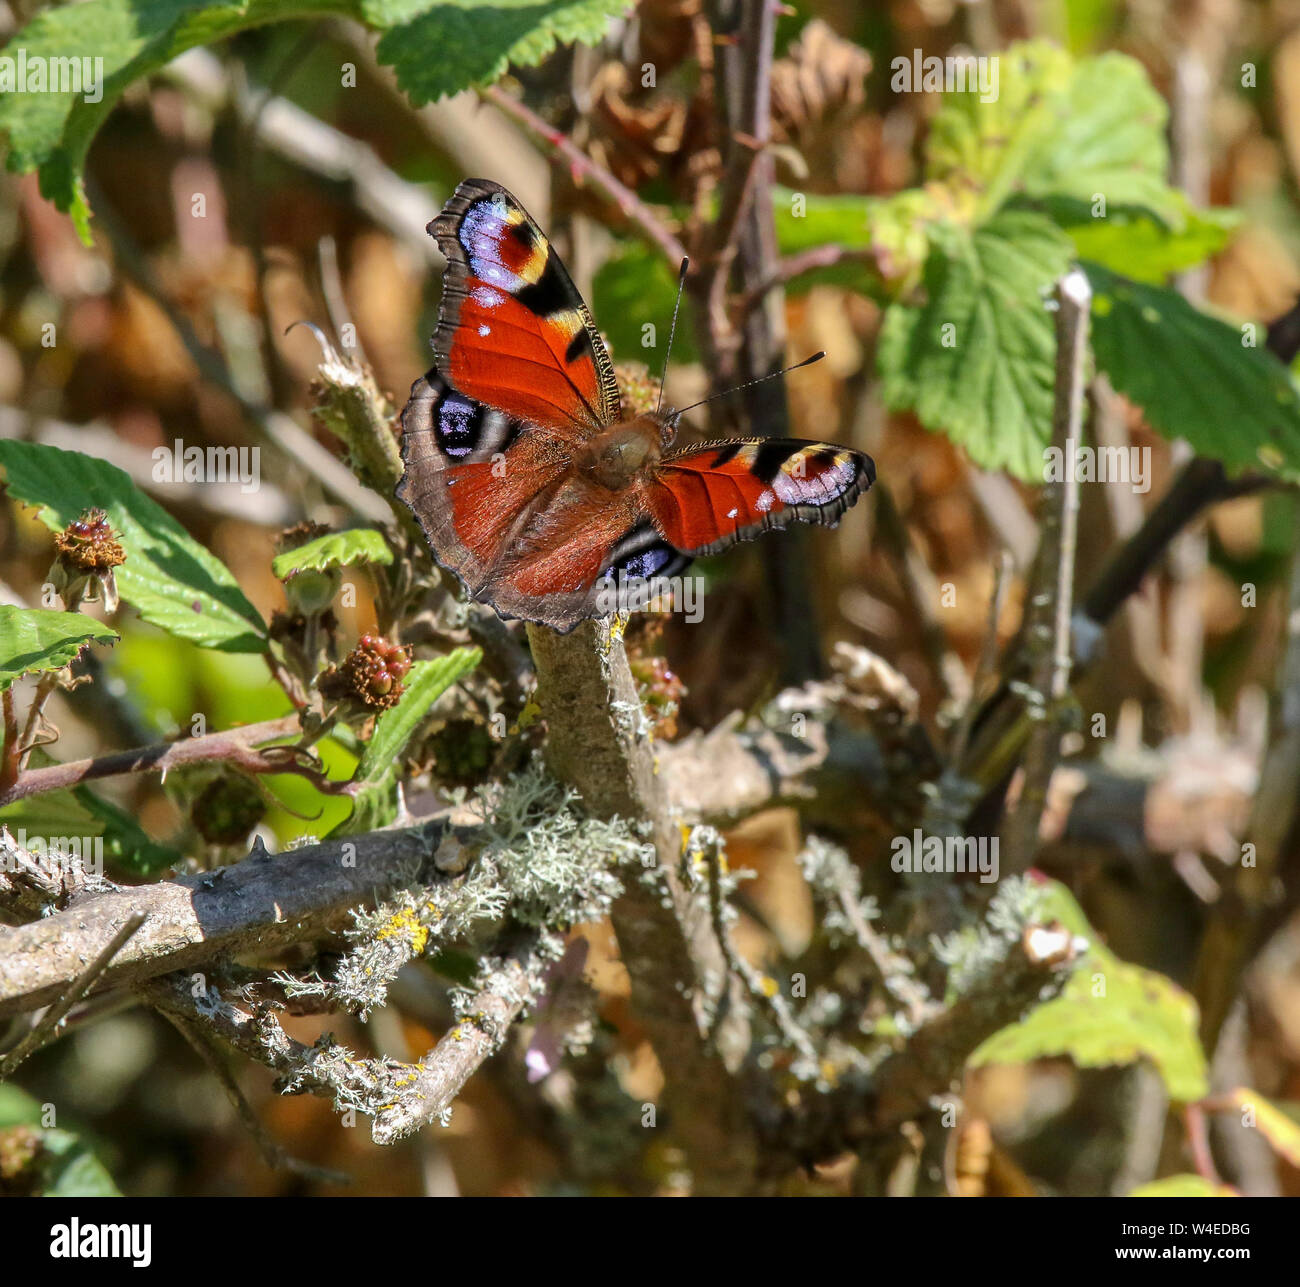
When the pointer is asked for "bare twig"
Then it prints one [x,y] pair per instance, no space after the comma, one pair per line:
[11,748]
[988,658]
[922,590]
[273,1153]
[905,991]
[792,266]
[1047,633]
[764,996]
[1261,892]
[49,1021]
[645,220]
[235,746]
[744,237]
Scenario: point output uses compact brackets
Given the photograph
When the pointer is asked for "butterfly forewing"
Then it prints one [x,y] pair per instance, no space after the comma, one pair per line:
[513,332]
[708,497]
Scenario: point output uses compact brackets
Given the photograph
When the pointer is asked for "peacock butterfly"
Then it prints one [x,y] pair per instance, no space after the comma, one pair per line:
[521,469]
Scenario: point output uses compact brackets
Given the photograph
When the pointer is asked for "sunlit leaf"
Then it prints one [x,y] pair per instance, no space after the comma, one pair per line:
[168,577]
[440,47]
[334,550]
[975,357]
[1110,1012]
[35,639]
[1196,377]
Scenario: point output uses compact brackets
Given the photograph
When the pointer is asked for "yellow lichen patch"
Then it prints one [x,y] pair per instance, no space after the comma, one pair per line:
[528,716]
[406,925]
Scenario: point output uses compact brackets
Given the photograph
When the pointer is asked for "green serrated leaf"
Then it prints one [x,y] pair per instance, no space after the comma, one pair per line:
[440,47]
[376,775]
[1110,1012]
[1135,244]
[334,550]
[168,577]
[1057,128]
[35,639]
[52,132]
[1183,1186]
[975,360]
[1195,377]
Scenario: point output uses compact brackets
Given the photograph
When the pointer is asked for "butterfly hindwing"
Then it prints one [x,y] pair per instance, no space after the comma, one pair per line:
[513,332]
[471,471]
[705,498]
[502,509]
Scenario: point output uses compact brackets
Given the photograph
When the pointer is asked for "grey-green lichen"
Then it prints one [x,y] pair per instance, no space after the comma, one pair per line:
[979,950]
[539,863]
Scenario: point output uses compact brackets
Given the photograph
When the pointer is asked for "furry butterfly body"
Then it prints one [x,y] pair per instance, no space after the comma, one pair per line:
[521,469]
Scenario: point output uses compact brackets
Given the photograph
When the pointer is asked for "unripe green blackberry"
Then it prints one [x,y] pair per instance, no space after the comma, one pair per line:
[227,809]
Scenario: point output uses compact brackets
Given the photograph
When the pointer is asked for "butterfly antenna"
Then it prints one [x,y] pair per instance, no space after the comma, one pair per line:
[735,388]
[672,330]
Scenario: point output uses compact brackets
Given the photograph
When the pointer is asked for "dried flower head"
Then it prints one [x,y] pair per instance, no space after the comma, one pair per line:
[89,544]
[87,554]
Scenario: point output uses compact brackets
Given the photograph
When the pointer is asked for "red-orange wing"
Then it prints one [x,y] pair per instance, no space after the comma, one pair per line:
[706,498]
[513,332]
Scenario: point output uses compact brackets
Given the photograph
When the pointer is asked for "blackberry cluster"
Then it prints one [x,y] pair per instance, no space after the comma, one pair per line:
[371,673]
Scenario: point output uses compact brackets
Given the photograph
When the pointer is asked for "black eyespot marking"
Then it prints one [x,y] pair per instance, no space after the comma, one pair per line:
[458,423]
[643,554]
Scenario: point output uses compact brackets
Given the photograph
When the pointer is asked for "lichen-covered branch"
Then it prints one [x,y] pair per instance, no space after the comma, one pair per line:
[598,742]
[400,1098]
[263,902]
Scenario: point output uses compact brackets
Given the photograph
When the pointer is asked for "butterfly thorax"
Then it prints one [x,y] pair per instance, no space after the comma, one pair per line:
[617,457]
